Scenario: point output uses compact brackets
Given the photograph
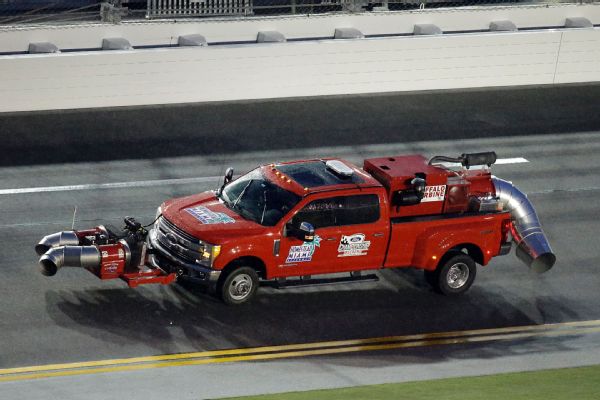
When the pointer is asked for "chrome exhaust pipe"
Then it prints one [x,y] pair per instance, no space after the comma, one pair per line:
[532,246]
[66,238]
[69,256]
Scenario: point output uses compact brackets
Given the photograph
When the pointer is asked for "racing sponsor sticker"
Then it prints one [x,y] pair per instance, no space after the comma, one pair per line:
[208,217]
[353,245]
[111,268]
[303,252]
[434,193]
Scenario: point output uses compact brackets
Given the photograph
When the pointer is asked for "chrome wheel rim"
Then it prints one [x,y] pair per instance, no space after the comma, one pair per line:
[458,275]
[240,287]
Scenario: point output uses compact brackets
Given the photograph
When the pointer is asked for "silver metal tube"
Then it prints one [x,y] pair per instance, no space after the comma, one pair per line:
[532,246]
[66,238]
[69,256]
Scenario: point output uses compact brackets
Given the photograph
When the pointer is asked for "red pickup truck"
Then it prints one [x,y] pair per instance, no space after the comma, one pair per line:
[285,223]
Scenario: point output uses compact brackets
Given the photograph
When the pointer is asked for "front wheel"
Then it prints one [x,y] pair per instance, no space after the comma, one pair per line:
[239,286]
[455,275]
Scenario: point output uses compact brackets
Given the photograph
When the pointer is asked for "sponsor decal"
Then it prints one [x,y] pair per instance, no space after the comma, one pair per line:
[353,245]
[111,268]
[434,193]
[303,252]
[208,217]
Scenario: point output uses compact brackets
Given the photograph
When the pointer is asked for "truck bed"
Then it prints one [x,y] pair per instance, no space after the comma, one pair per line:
[421,241]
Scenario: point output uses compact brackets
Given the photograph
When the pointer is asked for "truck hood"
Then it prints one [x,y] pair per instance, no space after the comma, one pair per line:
[205,217]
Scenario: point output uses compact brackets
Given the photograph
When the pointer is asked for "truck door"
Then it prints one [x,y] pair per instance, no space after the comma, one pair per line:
[307,258]
[349,235]
[363,233]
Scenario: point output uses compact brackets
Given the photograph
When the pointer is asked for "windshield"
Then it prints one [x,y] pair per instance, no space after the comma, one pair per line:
[258,199]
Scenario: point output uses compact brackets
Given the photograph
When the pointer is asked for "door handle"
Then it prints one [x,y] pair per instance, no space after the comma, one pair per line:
[379,234]
[331,239]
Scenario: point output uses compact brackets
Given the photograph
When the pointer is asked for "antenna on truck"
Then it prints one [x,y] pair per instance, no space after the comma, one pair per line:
[468,159]
[74,214]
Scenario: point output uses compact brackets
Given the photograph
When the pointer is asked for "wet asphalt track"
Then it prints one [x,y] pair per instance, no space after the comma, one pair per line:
[75,317]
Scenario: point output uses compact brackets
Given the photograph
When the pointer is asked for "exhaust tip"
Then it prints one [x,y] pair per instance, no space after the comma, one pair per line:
[41,249]
[47,266]
[65,238]
[537,263]
[543,263]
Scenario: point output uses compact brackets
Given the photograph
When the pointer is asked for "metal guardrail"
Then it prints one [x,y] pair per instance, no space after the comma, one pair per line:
[44,11]
[197,8]
[190,8]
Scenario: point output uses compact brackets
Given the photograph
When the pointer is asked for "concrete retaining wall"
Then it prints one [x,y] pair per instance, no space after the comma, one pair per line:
[90,79]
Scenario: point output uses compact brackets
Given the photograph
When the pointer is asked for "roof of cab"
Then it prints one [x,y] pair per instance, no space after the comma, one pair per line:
[315,176]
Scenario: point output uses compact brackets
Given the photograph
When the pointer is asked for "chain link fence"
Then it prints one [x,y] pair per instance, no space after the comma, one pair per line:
[36,11]
[55,11]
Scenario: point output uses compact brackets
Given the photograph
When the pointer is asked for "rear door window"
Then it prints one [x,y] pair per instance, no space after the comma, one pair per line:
[360,209]
[340,211]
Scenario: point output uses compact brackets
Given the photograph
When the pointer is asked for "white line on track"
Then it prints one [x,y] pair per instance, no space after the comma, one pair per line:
[158,182]
[515,160]
[112,185]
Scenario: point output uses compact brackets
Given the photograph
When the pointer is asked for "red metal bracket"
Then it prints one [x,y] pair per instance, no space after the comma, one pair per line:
[146,277]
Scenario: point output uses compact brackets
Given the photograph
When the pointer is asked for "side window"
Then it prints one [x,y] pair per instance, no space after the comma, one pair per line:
[339,211]
[361,209]
[319,213]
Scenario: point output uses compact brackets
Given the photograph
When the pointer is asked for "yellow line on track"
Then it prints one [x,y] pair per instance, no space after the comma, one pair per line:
[299,350]
[301,346]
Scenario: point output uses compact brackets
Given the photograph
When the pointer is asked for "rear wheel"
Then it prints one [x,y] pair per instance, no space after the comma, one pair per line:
[239,286]
[455,275]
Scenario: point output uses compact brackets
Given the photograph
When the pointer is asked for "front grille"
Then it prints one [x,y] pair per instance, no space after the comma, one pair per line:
[173,228]
[177,242]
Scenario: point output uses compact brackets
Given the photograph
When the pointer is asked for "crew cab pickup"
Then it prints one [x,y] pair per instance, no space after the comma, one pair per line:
[306,222]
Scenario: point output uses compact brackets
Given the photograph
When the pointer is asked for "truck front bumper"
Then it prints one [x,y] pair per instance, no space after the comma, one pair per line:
[159,255]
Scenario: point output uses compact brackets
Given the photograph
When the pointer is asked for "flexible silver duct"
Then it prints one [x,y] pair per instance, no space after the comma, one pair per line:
[532,246]
[66,238]
[69,256]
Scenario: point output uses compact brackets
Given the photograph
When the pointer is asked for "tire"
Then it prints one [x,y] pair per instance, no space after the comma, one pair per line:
[239,286]
[455,275]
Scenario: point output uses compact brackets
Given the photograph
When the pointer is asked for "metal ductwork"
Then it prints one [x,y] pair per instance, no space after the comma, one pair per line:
[69,256]
[532,246]
[467,159]
[66,238]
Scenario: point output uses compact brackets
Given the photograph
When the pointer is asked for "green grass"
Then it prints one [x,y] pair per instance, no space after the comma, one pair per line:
[564,384]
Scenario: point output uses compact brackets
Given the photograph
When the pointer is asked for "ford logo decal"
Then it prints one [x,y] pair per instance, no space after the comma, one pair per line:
[171,238]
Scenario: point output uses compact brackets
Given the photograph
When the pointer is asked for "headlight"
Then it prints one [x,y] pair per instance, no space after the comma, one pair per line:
[216,250]
[210,253]
[158,212]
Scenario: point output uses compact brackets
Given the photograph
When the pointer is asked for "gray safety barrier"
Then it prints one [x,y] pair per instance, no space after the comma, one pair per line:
[348,33]
[116,44]
[503,26]
[192,40]
[43,47]
[270,37]
[427,29]
[578,22]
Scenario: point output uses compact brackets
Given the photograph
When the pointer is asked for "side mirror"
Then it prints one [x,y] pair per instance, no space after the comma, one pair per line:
[306,232]
[228,176]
